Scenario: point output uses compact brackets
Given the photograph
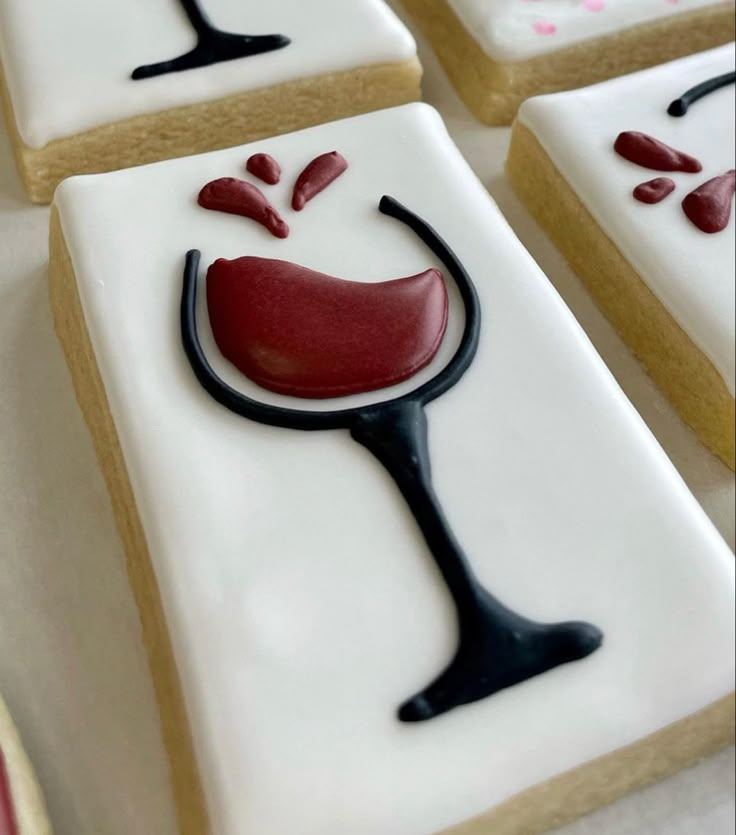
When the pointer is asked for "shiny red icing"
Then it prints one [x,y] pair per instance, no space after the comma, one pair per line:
[265,167]
[8,824]
[303,333]
[645,150]
[237,197]
[655,190]
[316,177]
[709,206]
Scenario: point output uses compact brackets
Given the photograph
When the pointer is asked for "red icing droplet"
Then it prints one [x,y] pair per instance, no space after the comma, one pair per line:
[8,824]
[316,177]
[645,150]
[236,197]
[655,190]
[709,206]
[265,167]
[298,332]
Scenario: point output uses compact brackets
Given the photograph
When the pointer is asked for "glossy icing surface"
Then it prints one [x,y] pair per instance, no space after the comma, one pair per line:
[690,272]
[299,594]
[68,65]
[516,30]
[326,336]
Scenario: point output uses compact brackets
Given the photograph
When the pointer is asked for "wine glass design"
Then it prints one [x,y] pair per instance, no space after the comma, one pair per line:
[213,46]
[497,647]
[681,106]
[708,207]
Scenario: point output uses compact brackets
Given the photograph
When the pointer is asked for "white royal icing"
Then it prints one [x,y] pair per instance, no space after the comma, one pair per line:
[516,30]
[68,65]
[300,597]
[689,271]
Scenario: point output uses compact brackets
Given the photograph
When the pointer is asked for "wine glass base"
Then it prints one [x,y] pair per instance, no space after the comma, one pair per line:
[214,48]
[492,658]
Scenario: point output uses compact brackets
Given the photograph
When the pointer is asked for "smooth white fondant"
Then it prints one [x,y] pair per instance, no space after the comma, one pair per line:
[516,30]
[68,65]
[301,600]
[689,271]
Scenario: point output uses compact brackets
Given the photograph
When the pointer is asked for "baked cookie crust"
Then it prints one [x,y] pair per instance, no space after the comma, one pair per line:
[493,91]
[599,783]
[210,126]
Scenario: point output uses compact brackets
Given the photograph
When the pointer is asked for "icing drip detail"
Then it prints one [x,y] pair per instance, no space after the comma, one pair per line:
[213,46]
[680,107]
[326,337]
[265,167]
[237,197]
[497,648]
[8,824]
[709,206]
[654,191]
[645,150]
[316,177]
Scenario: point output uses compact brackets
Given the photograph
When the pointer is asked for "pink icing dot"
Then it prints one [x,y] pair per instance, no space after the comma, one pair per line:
[594,5]
[545,27]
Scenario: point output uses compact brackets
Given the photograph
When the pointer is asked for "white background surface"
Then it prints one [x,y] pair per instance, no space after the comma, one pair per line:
[72,667]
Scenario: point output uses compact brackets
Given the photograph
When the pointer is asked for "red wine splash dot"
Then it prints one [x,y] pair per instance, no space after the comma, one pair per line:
[315,178]
[654,191]
[237,197]
[645,150]
[709,206]
[265,167]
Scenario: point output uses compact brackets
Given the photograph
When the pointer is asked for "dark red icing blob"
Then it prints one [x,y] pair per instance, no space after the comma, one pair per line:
[649,152]
[8,823]
[303,333]
[265,168]
[316,177]
[236,197]
[655,190]
[709,206]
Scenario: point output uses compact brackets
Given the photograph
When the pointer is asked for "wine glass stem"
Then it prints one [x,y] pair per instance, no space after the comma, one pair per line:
[197,17]
[397,436]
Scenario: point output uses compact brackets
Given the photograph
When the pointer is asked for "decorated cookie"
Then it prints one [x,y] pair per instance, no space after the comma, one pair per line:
[419,562]
[642,173]
[22,809]
[500,52]
[100,86]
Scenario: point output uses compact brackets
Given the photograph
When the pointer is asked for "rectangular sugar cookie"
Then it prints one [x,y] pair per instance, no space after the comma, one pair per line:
[289,600]
[499,52]
[72,106]
[662,275]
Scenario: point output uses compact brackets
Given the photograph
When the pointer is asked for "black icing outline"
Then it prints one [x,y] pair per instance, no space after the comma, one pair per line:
[679,107]
[497,648]
[213,46]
